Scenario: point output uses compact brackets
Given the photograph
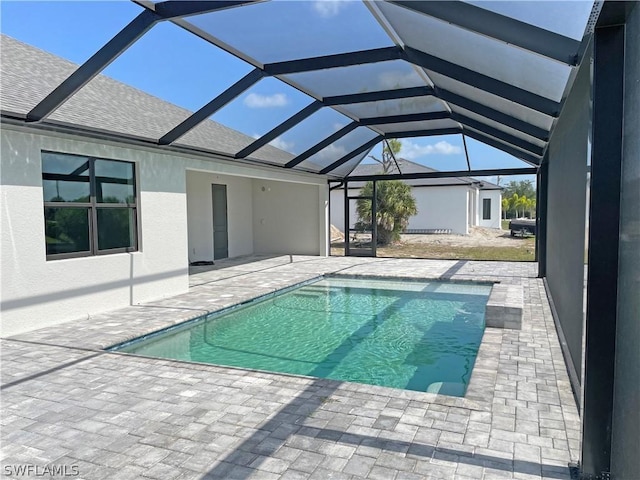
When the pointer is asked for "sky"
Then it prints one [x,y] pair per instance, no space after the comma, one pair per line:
[174,65]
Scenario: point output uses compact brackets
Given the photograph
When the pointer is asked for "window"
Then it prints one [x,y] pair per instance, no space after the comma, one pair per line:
[89,205]
[486,209]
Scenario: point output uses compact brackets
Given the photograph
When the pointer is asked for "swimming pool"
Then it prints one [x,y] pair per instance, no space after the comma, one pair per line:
[415,335]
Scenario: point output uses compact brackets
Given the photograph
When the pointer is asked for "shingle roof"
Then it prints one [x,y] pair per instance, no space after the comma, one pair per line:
[28,74]
[407,166]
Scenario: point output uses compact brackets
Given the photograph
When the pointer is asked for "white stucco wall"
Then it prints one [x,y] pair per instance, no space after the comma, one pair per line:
[200,214]
[474,216]
[496,209]
[441,207]
[438,207]
[288,218]
[35,292]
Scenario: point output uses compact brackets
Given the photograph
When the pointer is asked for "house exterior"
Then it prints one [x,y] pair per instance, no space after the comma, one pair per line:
[90,224]
[444,204]
[561,96]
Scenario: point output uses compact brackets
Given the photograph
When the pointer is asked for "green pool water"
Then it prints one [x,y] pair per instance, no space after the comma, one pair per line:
[405,334]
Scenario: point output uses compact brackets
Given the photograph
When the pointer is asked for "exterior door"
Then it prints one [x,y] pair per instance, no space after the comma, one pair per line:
[220,234]
[360,240]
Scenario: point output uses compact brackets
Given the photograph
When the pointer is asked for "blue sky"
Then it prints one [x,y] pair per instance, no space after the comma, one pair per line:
[176,66]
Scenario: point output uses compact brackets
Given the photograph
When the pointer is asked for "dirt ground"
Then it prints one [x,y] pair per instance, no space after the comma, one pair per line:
[480,244]
[478,237]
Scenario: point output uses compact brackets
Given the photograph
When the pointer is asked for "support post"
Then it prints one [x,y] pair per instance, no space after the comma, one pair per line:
[604,236]
[541,217]
[346,218]
[374,222]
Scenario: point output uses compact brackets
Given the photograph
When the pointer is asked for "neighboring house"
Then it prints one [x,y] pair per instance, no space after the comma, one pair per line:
[95,216]
[449,204]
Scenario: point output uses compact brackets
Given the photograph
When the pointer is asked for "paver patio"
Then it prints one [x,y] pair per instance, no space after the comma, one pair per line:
[66,402]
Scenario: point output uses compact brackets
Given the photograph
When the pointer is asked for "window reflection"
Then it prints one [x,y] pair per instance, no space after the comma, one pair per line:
[114,182]
[89,205]
[66,230]
[65,178]
[116,227]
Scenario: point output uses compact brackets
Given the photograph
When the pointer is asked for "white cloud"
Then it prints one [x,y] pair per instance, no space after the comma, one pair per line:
[330,153]
[281,144]
[445,148]
[398,78]
[255,100]
[411,151]
[328,8]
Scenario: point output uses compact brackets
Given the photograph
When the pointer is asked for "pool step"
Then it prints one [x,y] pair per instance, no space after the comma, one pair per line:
[504,307]
[309,294]
[447,388]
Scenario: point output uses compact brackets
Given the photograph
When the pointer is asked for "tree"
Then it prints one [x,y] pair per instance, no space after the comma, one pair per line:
[513,202]
[524,188]
[531,207]
[521,203]
[395,204]
[505,207]
[389,150]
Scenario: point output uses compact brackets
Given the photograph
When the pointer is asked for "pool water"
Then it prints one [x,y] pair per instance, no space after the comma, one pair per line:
[413,335]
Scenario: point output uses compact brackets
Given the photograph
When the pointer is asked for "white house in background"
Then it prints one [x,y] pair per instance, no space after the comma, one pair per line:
[451,204]
[96,217]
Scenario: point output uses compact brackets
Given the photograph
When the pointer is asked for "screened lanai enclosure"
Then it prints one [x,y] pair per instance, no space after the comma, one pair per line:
[497,72]
[553,84]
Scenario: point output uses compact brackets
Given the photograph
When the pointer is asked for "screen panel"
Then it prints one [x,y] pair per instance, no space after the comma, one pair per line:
[567,18]
[397,106]
[493,101]
[439,152]
[277,31]
[339,149]
[498,126]
[370,77]
[179,67]
[215,137]
[483,156]
[346,168]
[261,108]
[416,126]
[479,53]
[173,86]
[307,133]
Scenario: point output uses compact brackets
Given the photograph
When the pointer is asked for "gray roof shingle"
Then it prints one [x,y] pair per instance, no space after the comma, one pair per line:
[29,74]
[407,166]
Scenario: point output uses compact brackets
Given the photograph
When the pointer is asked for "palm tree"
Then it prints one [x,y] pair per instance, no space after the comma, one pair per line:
[531,207]
[521,202]
[505,207]
[394,206]
[515,199]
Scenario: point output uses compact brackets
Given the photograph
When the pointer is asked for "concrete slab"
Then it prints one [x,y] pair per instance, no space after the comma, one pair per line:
[67,403]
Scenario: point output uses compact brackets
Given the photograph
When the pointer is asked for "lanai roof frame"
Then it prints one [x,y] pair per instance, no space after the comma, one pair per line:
[509,125]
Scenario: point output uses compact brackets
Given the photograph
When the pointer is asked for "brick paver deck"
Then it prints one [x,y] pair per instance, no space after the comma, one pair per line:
[66,402]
